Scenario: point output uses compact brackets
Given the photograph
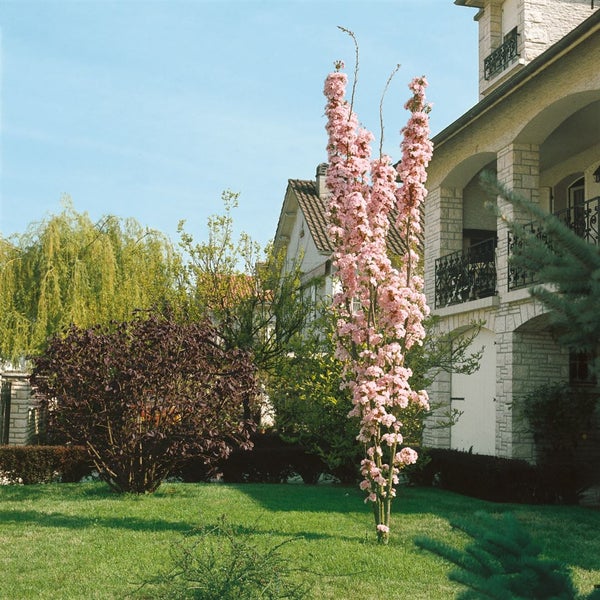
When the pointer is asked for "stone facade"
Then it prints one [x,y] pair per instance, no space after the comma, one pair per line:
[539,24]
[537,127]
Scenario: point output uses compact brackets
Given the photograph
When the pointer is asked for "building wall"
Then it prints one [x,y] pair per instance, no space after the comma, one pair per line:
[547,21]
[525,356]
[540,24]
[512,135]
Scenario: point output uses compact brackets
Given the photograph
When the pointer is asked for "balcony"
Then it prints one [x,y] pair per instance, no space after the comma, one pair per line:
[501,57]
[582,219]
[467,275]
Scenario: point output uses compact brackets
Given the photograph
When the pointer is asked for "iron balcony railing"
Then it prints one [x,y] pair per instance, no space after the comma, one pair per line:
[501,57]
[467,275]
[582,219]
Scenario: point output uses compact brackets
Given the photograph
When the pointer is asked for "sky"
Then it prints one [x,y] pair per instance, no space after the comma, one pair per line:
[152,108]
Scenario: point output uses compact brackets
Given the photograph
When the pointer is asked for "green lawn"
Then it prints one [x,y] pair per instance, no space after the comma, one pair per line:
[82,541]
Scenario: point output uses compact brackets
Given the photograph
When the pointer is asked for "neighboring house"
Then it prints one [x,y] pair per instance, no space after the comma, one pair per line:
[302,232]
[537,127]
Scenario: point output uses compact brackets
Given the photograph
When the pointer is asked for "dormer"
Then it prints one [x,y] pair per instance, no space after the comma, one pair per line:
[514,32]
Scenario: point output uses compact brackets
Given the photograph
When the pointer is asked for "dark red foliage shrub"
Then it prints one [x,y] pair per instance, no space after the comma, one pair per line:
[143,395]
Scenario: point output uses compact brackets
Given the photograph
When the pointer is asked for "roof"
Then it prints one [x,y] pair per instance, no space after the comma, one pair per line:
[471,3]
[584,30]
[314,210]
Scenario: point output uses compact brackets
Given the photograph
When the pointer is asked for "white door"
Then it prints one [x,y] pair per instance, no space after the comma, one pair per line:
[474,396]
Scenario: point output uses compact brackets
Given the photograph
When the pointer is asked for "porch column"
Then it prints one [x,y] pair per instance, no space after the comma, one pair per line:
[443,235]
[519,171]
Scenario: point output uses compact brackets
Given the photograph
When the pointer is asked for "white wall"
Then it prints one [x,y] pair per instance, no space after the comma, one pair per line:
[474,395]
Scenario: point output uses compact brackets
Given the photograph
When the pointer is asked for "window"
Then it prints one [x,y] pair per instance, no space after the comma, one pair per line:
[580,372]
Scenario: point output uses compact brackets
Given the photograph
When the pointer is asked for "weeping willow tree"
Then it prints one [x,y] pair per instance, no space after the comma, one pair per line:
[69,270]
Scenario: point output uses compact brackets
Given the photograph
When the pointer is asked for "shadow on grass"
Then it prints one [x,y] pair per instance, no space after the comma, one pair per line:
[570,534]
[306,498]
[347,499]
[32,517]
[59,520]
[85,492]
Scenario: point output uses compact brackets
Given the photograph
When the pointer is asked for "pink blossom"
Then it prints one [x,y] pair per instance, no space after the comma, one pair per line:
[406,456]
[380,308]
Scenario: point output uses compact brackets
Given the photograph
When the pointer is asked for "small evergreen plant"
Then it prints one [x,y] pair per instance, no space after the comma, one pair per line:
[503,562]
[225,562]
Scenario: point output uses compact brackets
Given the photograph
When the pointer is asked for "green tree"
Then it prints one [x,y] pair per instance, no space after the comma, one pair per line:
[68,270]
[566,269]
[257,306]
[311,409]
[144,395]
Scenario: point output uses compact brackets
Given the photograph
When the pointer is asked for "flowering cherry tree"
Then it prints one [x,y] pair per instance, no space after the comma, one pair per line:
[380,308]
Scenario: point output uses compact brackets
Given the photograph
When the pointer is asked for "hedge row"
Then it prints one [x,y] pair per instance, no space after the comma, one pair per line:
[271,460]
[498,479]
[43,464]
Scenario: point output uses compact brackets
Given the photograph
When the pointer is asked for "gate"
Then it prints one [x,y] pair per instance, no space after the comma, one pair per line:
[5,396]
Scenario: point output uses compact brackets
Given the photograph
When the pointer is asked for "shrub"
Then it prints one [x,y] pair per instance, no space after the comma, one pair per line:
[144,395]
[43,464]
[559,417]
[226,563]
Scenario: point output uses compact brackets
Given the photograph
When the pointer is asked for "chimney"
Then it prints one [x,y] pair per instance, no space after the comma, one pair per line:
[322,190]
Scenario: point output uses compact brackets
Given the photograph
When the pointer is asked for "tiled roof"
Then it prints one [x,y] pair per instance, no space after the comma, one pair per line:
[314,210]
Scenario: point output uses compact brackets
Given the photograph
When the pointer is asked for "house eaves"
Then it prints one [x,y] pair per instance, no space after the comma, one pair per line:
[302,194]
[314,211]
[471,3]
[582,32]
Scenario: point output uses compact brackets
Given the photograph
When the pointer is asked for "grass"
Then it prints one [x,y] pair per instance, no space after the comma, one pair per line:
[64,541]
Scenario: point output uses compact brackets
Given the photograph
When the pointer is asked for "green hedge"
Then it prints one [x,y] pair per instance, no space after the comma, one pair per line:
[497,479]
[43,464]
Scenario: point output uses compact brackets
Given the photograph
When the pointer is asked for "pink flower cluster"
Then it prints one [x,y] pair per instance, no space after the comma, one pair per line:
[380,308]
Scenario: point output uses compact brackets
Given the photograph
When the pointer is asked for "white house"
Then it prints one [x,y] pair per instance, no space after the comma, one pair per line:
[537,126]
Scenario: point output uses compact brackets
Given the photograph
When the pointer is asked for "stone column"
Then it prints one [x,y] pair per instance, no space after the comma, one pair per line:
[21,406]
[519,171]
[443,235]
[443,231]
[437,432]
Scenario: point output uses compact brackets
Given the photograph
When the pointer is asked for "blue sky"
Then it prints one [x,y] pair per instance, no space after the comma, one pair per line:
[151,108]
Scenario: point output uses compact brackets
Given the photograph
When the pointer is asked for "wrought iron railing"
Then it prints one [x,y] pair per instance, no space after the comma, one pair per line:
[467,275]
[502,56]
[582,219]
